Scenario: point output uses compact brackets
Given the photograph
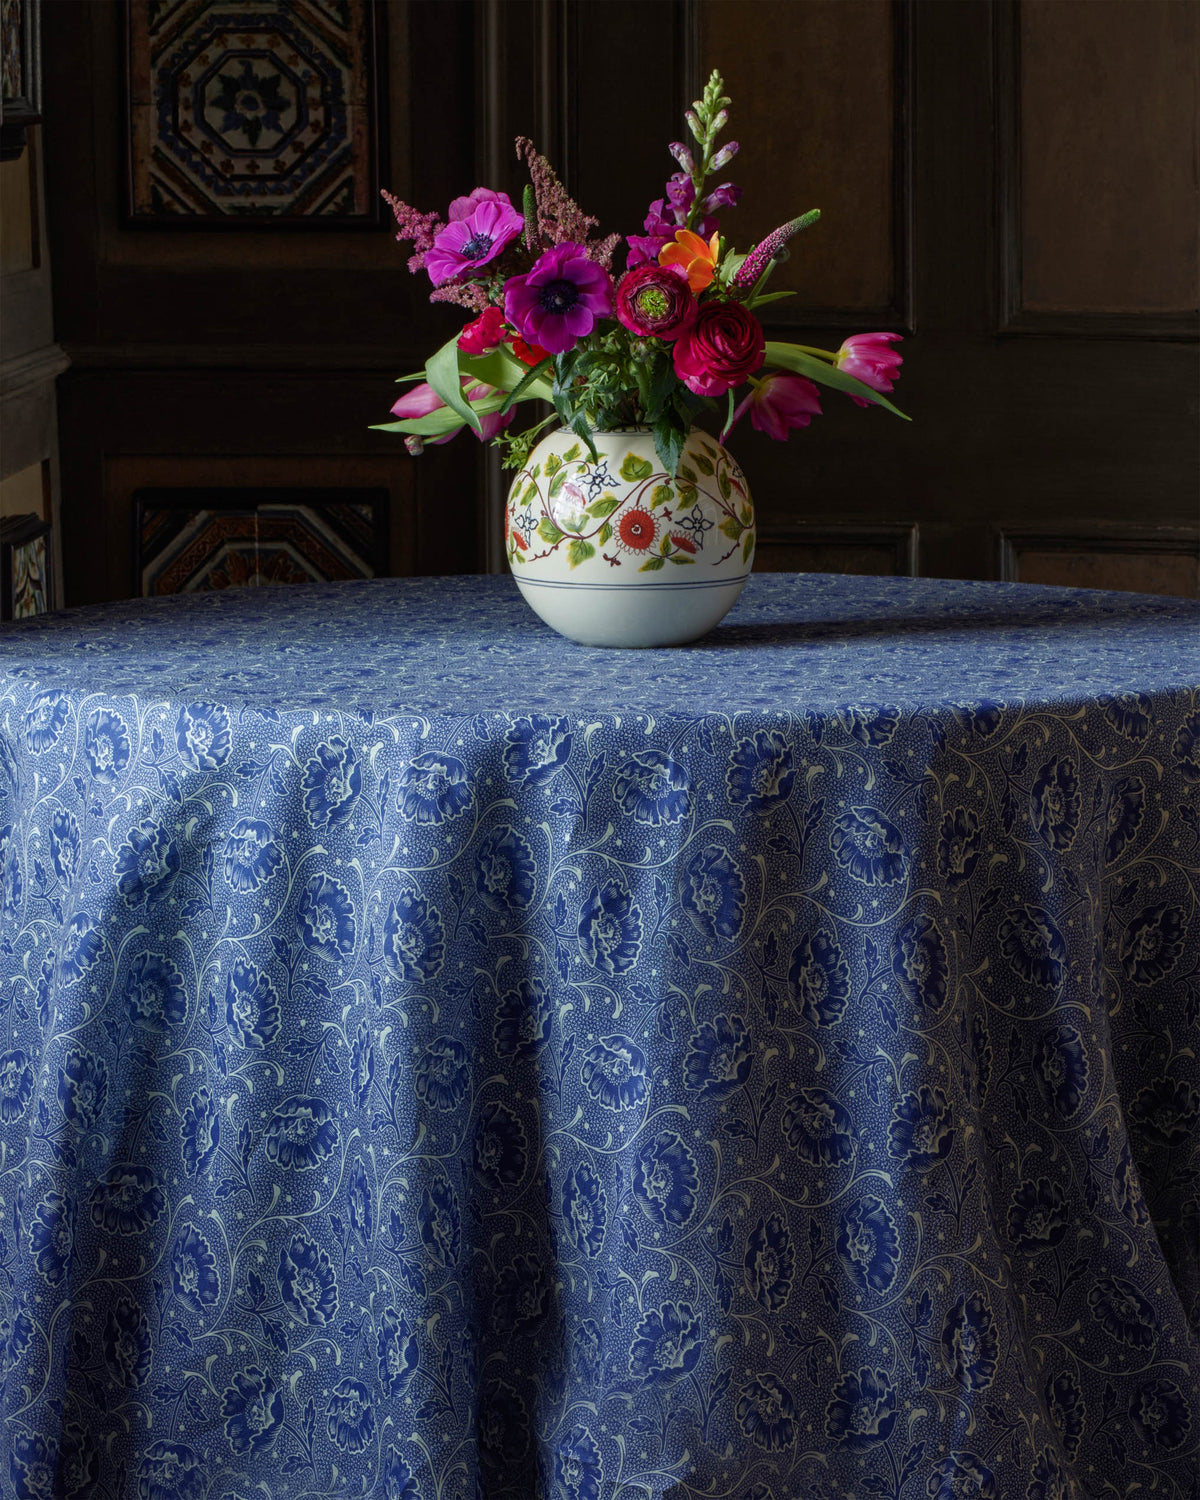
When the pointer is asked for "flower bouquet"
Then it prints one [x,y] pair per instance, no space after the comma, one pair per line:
[670,347]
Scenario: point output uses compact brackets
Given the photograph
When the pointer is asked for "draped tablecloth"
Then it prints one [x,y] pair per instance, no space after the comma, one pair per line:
[442,1061]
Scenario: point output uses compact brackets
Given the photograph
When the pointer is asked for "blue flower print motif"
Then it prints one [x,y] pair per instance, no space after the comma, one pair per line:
[170,1471]
[396,1346]
[961,1476]
[106,746]
[16,1085]
[761,773]
[818,1128]
[1056,802]
[128,1199]
[610,929]
[10,872]
[33,1467]
[78,1464]
[301,1134]
[332,784]
[1037,1216]
[52,1236]
[505,873]
[194,1276]
[8,768]
[434,787]
[1152,943]
[202,736]
[127,1346]
[251,1006]
[614,1073]
[863,1410]
[970,1343]
[586,1365]
[16,1331]
[326,917]
[147,864]
[868,1244]
[820,978]
[349,1417]
[503,1426]
[523,1016]
[959,843]
[1186,748]
[1164,1112]
[45,719]
[82,1087]
[869,846]
[667,1345]
[81,948]
[770,1263]
[398,1481]
[1060,1069]
[921,966]
[251,856]
[578,1467]
[501,1152]
[1123,817]
[520,1296]
[1127,1190]
[921,1132]
[1124,1314]
[665,1180]
[307,1283]
[719,1058]
[651,788]
[766,1413]
[439,1221]
[535,748]
[65,845]
[360,1201]
[253,1410]
[1130,714]
[1033,945]
[714,893]
[1161,1412]
[362,1065]
[584,1210]
[1064,1401]
[154,992]
[443,1074]
[871,725]
[413,938]
[200,1132]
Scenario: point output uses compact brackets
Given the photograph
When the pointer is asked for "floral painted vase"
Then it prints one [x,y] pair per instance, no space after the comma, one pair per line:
[614,553]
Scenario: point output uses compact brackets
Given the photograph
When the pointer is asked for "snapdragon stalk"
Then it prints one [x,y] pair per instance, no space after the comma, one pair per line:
[706,119]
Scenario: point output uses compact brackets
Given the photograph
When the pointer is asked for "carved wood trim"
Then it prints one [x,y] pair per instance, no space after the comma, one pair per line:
[1093,537]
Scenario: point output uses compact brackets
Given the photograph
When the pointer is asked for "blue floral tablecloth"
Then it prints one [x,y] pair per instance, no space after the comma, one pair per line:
[442,1061]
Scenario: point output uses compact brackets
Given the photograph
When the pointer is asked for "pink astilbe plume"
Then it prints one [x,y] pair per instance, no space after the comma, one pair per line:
[411,224]
[560,219]
[471,294]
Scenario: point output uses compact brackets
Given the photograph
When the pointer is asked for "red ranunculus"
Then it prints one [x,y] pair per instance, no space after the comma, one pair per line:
[656,302]
[528,354]
[725,345]
[485,333]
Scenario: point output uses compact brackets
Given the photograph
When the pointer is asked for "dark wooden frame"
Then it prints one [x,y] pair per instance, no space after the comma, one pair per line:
[1012,317]
[247,499]
[379,159]
[1097,536]
[903,537]
[18,531]
[17,115]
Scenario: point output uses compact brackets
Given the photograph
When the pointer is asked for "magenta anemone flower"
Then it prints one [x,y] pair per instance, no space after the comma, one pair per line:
[777,403]
[423,399]
[558,302]
[472,242]
[868,358]
[463,208]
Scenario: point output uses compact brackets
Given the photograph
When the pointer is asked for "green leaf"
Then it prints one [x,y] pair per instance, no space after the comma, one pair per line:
[556,484]
[761,301]
[669,443]
[703,463]
[553,463]
[660,494]
[605,535]
[788,357]
[442,373]
[680,557]
[634,468]
[435,424]
[747,545]
[726,487]
[532,385]
[747,514]
[688,473]
[686,493]
[652,565]
[571,454]
[579,551]
[605,506]
[732,528]
[530,495]
[548,531]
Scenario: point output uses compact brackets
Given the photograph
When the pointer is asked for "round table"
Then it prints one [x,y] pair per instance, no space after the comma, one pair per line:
[442,1061]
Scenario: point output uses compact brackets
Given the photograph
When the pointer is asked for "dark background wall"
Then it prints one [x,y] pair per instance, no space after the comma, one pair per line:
[1012,183]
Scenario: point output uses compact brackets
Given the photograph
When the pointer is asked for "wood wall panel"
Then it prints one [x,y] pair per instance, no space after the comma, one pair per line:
[879,550]
[1140,560]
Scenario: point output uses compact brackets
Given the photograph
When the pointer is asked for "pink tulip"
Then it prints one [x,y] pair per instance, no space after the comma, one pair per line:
[867,357]
[778,403]
[423,399]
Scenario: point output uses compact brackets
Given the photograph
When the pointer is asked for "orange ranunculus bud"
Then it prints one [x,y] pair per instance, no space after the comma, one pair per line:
[695,257]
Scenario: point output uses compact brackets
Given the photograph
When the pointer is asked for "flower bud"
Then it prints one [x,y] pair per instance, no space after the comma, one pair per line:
[683,156]
[415,445]
[719,123]
[694,125]
[723,157]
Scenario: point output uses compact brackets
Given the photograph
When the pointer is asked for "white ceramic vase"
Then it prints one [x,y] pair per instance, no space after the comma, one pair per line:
[613,553]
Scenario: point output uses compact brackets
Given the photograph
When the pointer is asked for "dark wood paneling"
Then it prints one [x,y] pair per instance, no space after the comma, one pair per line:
[1142,560]
[824,548]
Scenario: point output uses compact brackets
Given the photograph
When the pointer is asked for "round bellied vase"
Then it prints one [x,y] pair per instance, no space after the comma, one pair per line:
[612,552]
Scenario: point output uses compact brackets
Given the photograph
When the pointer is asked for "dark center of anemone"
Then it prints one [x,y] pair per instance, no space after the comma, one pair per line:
[478,244]
[558,296]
